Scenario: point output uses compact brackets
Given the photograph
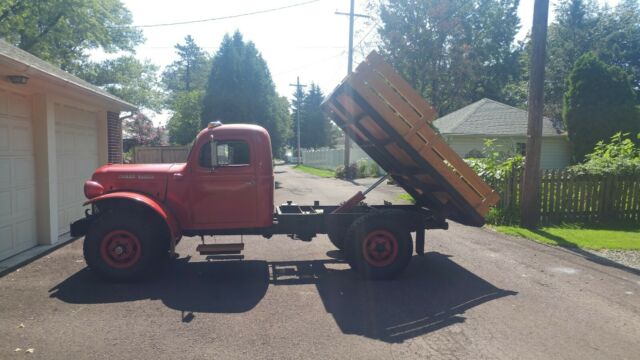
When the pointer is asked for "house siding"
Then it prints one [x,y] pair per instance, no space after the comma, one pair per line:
[555,150]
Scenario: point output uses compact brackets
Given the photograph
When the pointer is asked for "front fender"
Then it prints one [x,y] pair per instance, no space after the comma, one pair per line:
[152,204]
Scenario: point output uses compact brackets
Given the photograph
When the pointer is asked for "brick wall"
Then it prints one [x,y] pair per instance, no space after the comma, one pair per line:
[114,137]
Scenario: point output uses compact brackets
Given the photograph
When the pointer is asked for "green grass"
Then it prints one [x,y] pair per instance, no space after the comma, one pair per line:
[407,197]
[315,171]
[584,236]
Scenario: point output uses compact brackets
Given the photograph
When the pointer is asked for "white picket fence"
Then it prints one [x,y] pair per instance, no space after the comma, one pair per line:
[331,158]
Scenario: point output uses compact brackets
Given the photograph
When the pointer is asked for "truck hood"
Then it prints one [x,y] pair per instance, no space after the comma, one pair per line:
[150,179]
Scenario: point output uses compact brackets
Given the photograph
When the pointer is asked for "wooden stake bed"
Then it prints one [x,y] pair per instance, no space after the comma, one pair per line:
[391,122]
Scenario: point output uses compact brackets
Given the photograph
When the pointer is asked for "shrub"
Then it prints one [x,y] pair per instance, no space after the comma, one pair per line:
[497,163]
[362,166]
[503,216]
[620,156]
[351,172]
[374,169]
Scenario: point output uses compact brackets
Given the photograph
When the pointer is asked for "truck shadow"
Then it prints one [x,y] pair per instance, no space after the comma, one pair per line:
[433,293]
[205,287]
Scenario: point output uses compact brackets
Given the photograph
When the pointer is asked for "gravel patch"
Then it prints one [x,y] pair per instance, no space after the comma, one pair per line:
[629,258]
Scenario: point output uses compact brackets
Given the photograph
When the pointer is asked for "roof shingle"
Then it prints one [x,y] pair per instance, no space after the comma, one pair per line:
[489,117]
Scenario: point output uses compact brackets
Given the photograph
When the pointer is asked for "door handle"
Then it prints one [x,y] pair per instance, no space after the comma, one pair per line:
[178,176]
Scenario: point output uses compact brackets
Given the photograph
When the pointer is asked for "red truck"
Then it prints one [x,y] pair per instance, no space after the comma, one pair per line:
[140,212]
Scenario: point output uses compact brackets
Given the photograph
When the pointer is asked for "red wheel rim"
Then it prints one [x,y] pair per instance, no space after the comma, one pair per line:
[380,248]
[120,249]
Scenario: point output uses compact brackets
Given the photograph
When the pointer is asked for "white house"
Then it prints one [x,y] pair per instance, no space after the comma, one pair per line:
[466,129]
[55,129]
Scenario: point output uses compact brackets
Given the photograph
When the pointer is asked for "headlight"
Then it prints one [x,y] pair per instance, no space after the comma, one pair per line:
[92,189]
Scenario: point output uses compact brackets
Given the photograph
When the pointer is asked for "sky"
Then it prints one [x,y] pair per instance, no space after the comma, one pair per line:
[309,41]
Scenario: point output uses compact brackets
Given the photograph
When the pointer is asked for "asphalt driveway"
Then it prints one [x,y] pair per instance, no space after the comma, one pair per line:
[475,295]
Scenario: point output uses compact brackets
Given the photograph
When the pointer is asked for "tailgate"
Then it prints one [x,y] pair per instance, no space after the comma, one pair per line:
[392,123]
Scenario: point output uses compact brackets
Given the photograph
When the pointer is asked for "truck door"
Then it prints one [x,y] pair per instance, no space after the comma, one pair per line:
[224,192]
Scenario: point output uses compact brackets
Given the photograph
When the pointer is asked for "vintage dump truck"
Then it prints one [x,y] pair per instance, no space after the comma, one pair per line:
[140,212]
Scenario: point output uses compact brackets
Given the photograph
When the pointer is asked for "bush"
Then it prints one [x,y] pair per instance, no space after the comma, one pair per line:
[503,216]
[351,172]
[620,156]
[374,169]
[497,163]
[362,165]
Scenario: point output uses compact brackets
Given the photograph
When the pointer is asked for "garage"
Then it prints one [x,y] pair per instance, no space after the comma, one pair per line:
[55,130]
[17,182]
[77,158]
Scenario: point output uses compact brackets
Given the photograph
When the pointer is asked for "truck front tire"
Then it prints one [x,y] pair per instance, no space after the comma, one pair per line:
[123,246]
[378,246]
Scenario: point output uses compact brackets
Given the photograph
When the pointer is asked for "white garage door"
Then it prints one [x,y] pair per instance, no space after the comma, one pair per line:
[17,176]
[77,158]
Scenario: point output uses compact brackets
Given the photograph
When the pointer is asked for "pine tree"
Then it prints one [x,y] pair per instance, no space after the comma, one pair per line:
[315,125]
[190,71]
[240,90]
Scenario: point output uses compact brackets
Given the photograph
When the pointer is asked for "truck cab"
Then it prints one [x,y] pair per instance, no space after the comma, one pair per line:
[227,181]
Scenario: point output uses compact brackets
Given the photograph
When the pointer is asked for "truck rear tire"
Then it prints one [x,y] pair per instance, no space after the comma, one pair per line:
[124,246]
[378,247]
[337,236]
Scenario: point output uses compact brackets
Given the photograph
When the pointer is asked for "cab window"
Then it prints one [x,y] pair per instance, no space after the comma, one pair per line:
[230,153]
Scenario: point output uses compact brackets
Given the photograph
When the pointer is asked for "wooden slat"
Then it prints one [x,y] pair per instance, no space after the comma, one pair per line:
[377,62]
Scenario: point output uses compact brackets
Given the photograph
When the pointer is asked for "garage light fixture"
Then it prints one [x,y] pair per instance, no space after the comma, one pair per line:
[18,79]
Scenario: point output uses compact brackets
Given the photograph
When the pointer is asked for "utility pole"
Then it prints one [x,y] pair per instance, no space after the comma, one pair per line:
[530,199]
[298,91]
[347,140]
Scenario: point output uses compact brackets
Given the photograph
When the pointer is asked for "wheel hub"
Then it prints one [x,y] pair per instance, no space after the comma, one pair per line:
[120,249]
[380,248]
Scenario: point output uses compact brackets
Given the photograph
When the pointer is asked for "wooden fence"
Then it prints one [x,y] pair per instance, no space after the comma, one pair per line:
[160,154]
[584,198]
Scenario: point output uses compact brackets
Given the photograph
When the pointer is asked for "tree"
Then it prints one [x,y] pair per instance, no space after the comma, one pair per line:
[62,31]
[599,103]
[570,36]
[453,52]
[315,127]
[190,71]
[140,128]
[619,39]
[129,79]
[185,81]
[580,26]
[240,90]
[184,124]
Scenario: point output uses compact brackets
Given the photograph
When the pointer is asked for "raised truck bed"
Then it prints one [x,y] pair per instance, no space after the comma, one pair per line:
[392,123]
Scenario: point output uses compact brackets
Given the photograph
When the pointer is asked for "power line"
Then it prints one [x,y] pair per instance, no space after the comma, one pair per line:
[228,16]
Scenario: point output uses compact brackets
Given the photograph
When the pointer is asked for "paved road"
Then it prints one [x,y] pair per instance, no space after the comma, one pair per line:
[475,295]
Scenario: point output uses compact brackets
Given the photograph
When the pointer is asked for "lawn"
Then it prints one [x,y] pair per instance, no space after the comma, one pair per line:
[407,197]
[584,236]
[315,171]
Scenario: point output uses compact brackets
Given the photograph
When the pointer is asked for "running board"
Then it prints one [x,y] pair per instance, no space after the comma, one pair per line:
[220,249]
